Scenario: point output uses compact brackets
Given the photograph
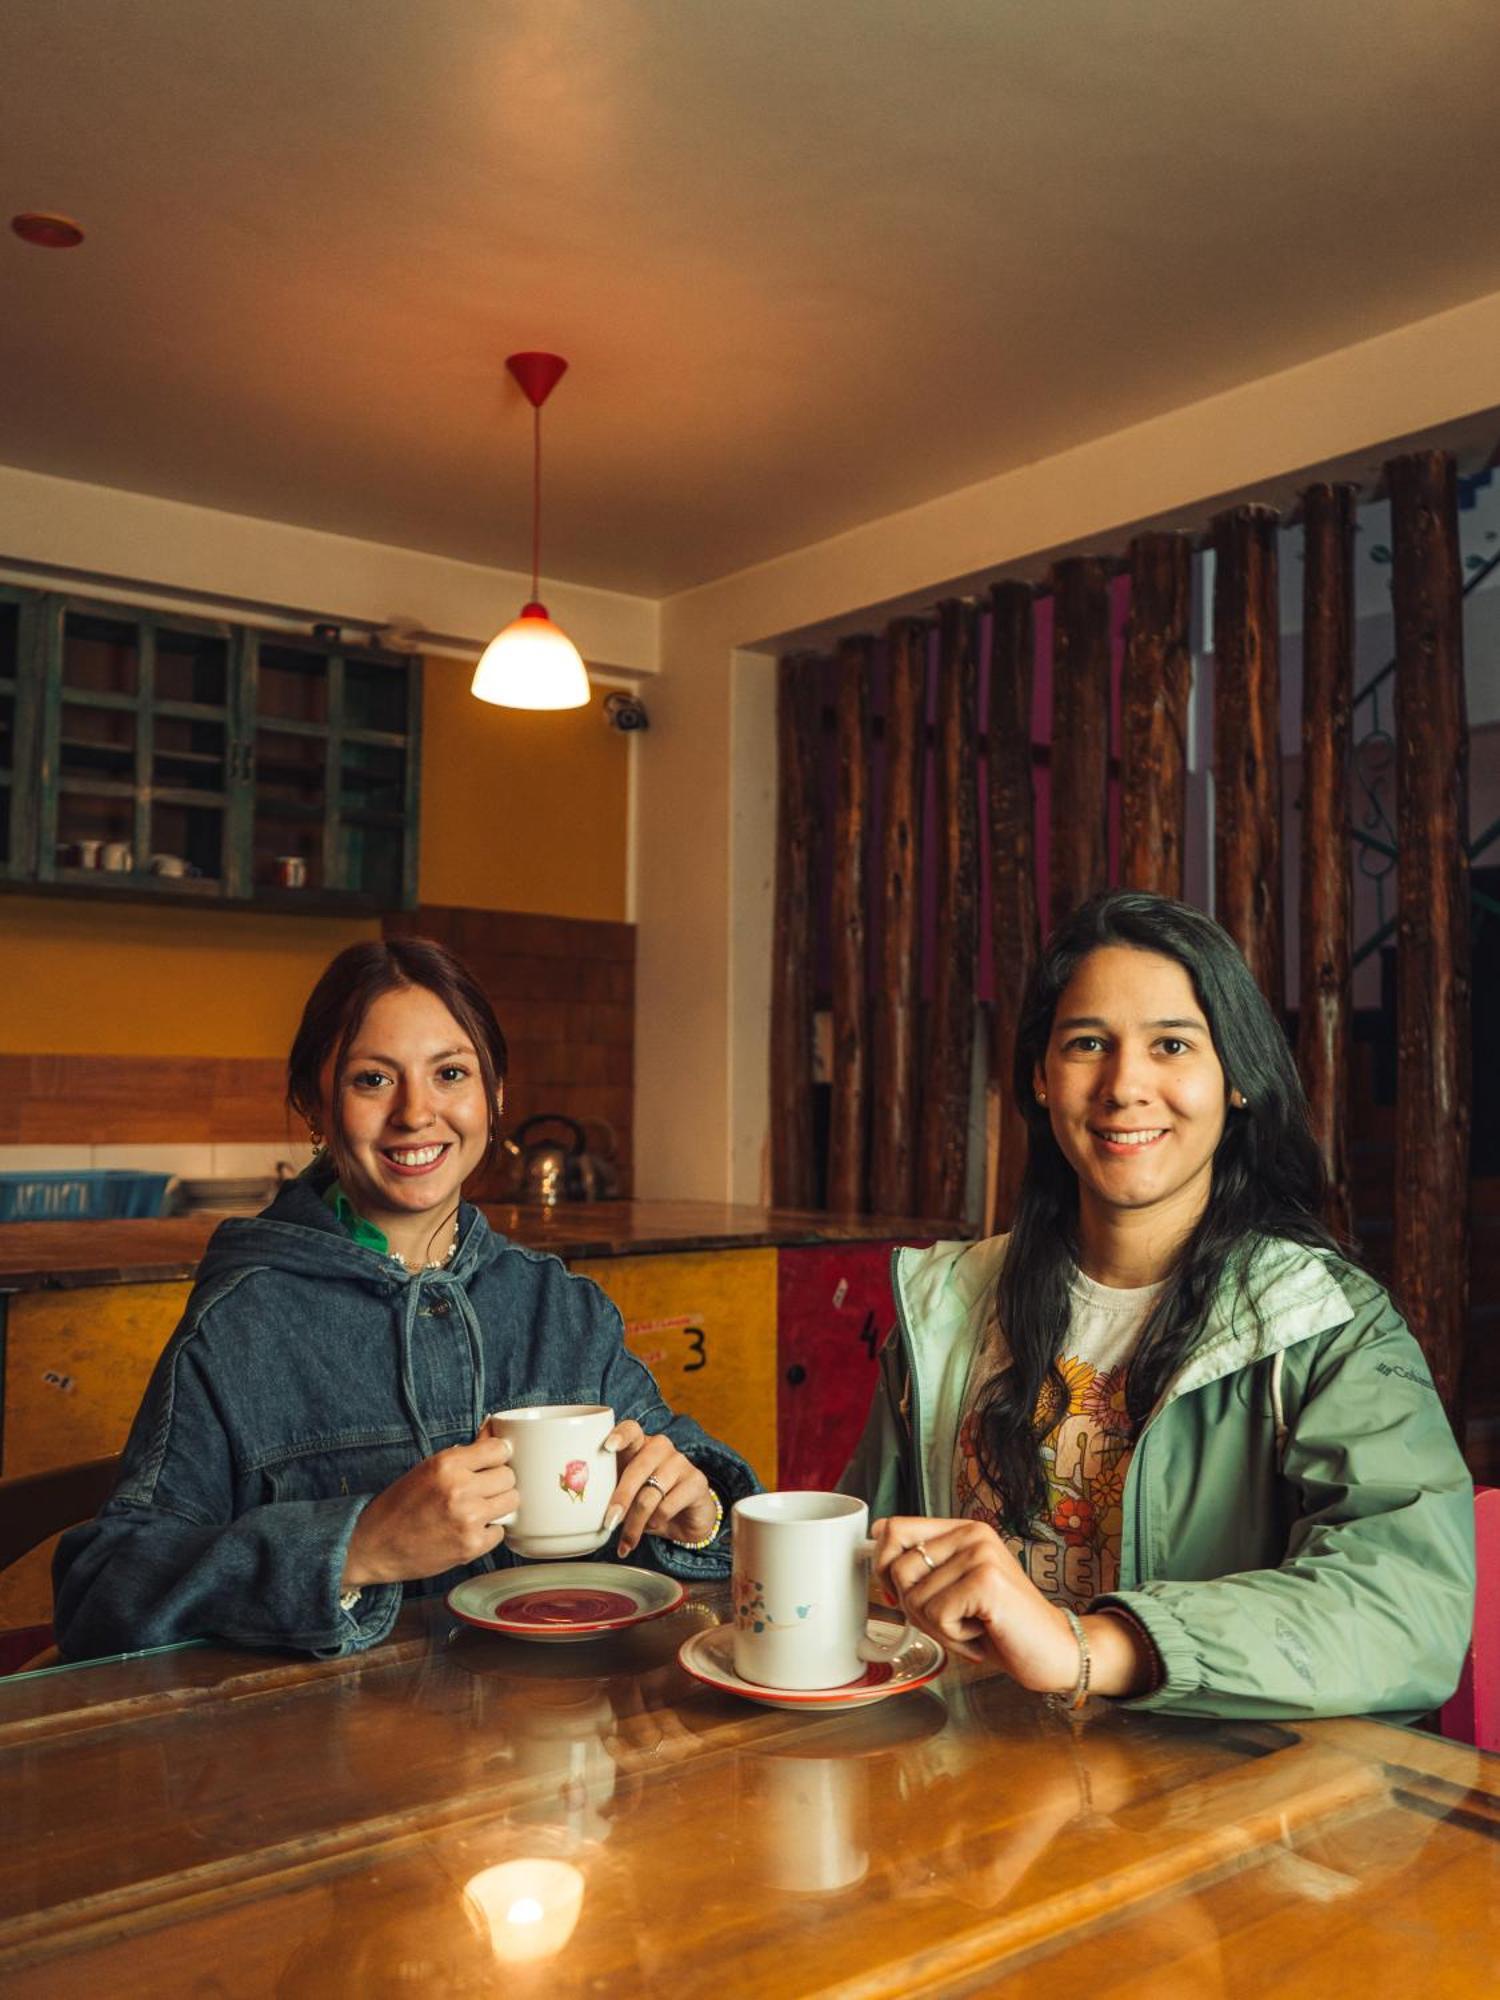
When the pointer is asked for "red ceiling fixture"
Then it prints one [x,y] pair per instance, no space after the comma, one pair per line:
[532,664]
[47,232]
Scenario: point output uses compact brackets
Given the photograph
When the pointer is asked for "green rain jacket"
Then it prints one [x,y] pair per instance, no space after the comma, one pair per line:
[1298,1523]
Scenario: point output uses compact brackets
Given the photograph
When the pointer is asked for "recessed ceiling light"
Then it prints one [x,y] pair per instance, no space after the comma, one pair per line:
[47,232]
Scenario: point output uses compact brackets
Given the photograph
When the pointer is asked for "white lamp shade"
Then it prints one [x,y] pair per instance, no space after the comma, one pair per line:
[531,664]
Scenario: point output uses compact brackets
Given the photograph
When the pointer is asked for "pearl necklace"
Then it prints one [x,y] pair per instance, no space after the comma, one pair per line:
[433,1263]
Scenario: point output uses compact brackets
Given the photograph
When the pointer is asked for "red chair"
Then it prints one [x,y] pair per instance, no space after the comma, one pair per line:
[34,1508]
[1473,1715]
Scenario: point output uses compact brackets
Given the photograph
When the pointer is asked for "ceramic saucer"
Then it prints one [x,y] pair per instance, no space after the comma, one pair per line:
[558,1602]
[709,1657]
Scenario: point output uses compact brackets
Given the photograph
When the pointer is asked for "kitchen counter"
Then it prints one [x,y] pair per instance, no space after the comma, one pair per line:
[57,1256]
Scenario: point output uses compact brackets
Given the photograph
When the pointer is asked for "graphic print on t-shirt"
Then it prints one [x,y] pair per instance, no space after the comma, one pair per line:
[1072,1552]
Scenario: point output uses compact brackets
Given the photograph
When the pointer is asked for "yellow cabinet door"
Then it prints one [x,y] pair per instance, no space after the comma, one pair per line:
[704,1323]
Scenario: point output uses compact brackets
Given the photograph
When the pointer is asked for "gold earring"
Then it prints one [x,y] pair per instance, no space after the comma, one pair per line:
[1041,1097]
[316,1139]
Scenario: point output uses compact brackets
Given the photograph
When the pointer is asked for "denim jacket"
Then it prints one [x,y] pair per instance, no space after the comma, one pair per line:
[309,1373]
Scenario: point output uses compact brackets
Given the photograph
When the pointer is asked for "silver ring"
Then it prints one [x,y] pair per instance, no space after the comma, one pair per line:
[652,1480]
[920,1548]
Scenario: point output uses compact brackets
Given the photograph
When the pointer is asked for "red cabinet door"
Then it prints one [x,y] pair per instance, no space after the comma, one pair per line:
[833,1311]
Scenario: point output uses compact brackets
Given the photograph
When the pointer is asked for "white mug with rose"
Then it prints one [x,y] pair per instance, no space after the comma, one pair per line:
[564,1478]
[801,1591]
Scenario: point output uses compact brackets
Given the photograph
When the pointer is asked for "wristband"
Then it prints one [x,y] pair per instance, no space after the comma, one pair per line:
[713,1533]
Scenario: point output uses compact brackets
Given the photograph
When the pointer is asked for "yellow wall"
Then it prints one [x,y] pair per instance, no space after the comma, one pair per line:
[95,979]
[520,811]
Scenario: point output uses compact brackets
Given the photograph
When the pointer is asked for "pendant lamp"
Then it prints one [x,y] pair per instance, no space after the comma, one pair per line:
[532,664]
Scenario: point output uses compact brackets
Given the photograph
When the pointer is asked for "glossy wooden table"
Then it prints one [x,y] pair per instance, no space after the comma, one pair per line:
[204,1822]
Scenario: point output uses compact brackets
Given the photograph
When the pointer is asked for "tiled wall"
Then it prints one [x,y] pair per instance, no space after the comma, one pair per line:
[564,991]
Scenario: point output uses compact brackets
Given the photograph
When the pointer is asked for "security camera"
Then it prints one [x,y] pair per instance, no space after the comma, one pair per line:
[624,711]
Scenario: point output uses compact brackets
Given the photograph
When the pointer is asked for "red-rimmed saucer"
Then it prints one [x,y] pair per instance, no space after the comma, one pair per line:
[709,1657]
[555,1603]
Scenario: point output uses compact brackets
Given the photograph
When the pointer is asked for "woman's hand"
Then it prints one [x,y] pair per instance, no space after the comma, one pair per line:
[678,1503]
[959,1582]
[443,1513]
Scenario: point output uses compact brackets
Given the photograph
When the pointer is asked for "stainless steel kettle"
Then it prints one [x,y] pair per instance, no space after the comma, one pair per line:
[552,1170]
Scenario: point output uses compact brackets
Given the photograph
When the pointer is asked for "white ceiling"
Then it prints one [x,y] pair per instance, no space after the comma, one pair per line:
[812,260]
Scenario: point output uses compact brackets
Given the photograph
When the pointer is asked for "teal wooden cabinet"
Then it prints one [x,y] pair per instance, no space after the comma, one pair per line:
[20,687]
[179,758]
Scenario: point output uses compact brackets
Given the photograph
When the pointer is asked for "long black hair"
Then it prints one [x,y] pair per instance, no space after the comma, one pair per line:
[1268,1180]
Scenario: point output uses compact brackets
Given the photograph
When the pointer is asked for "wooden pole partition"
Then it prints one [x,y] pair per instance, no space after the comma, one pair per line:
[1325,975]
[1247,743]
[1013,911]
[1431,1266]
[1155,686]
[893,1124]
[1080,734]
[797,729]
[849,1107]
[943,1152]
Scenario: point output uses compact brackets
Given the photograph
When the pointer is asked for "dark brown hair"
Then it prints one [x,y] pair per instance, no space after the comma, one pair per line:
[352,982]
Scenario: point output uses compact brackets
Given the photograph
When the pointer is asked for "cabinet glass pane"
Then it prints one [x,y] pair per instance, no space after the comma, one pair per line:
[192,666]
[374,696]
[372,778]
[100,655]
[97,743]
[10,623]
[187,841]
[372,856]
[292,686]
[187,754]
[289,773]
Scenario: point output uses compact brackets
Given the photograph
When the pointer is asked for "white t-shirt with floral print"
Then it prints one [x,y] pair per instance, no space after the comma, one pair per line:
[1072,1553]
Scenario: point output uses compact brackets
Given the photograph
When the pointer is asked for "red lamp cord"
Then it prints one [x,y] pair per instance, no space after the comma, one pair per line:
[536,502]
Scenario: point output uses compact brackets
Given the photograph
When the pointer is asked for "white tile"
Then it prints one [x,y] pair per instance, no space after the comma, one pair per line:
[45,1159]
[184,1161]
[239,1162]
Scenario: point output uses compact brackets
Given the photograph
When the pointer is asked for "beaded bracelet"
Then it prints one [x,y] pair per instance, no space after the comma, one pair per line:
[713,1532]
[1080,1694]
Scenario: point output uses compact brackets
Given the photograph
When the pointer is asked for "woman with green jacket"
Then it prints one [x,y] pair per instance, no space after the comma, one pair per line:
[1163,1442]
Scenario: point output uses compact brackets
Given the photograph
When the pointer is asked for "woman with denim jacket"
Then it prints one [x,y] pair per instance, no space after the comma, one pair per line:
[1178,1449]
[314,1440]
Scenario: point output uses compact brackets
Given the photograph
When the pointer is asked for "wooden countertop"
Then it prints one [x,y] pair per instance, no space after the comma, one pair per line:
[206,1820]
[36,1256]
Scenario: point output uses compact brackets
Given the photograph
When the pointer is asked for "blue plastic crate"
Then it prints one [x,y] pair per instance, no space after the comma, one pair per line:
[92,1194]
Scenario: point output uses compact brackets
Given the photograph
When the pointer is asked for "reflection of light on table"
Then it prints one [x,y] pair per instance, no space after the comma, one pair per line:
[529,1907]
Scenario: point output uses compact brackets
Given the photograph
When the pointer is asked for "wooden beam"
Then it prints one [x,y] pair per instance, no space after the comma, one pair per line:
[1431,1265]
[1013,911]
[1080,734]
[849,1105]
[1325,980]
[797,730]
[1247,743]
[1154,690]
[943,1152]
[893,1130]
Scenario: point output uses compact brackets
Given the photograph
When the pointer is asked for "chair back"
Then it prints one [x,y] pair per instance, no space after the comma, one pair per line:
[42,1504]
[1473,1715]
